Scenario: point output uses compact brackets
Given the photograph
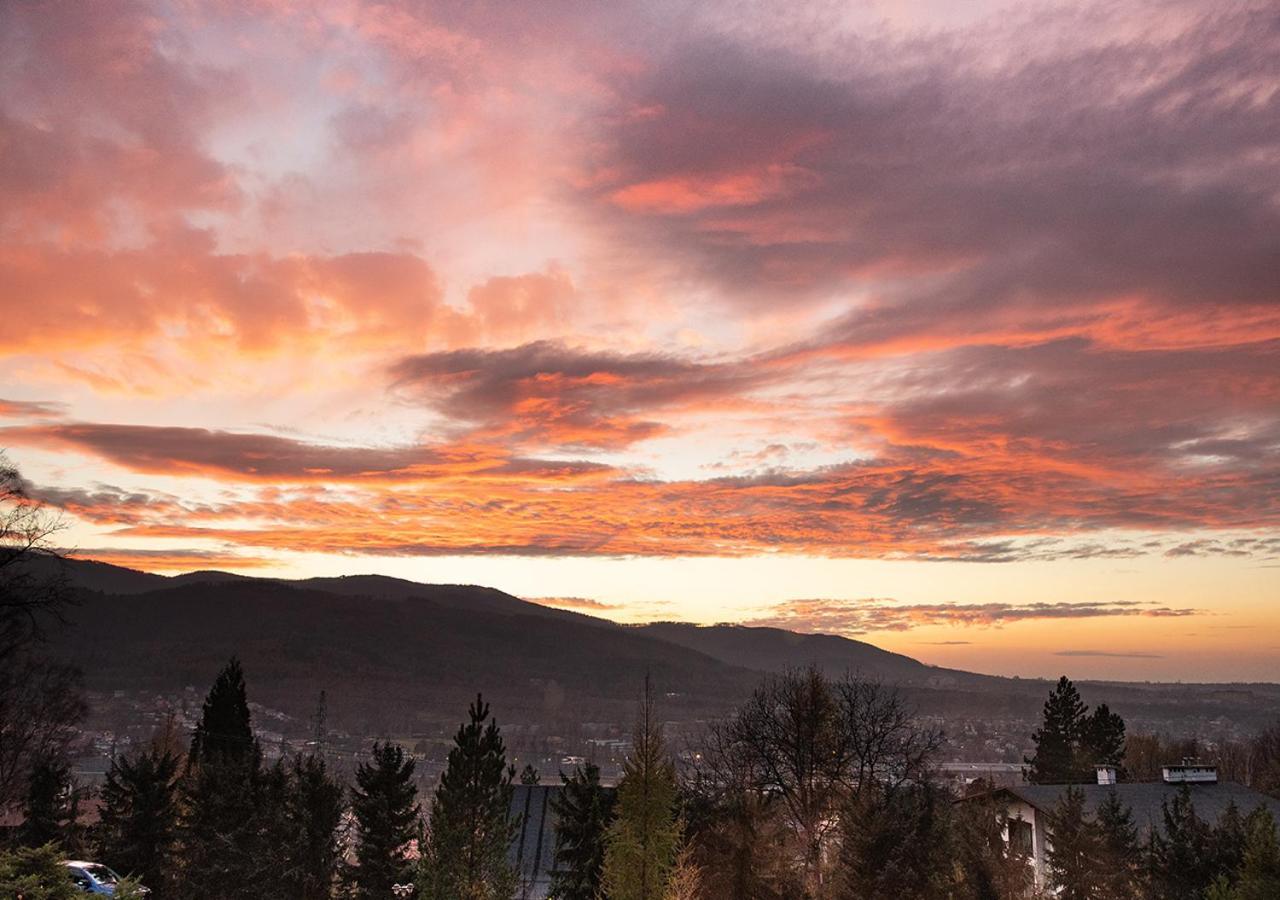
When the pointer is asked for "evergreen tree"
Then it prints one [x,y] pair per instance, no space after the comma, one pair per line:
[224,731]
[1057,739]
[1258,877]
[529,775]
[138,829]
[1074,854]
[582,811]
[640,848]
[895,843]
[987,866]
[1181,865]
[314,808]
[1101,741]
[1120,874]
[36,874]
[1229,839]
[387,814]
[471,825]
[220,829]
[51,806]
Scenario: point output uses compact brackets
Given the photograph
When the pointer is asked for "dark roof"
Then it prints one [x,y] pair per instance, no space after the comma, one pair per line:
[1145,799]
[532,853]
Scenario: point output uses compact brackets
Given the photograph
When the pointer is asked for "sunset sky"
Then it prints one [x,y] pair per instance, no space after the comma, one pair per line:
[950,326]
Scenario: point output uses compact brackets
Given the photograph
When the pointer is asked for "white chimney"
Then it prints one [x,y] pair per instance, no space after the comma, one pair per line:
[1106,774]
[1190,773]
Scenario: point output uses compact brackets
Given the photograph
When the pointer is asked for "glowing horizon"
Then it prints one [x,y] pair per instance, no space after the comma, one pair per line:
[957,332]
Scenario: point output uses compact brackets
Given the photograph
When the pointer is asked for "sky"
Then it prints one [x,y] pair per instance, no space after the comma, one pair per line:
[950,327]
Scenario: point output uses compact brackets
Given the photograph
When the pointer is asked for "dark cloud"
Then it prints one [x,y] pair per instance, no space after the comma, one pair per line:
[202,451]
[547,393]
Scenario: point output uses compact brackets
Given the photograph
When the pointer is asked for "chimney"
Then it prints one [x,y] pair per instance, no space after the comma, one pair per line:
[1106,774]
[1190,773]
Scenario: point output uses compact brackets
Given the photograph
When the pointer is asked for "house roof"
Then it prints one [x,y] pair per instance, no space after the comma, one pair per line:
[1145,799]
[532,853]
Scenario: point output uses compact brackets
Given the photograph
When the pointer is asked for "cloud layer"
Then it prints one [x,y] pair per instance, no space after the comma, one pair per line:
[613,282]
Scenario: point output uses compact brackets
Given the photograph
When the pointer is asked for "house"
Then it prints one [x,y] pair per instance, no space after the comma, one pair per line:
[1028,807]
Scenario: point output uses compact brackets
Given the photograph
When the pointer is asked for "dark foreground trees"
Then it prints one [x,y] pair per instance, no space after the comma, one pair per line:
[471,825]
[583,810]
[385,805]
[138,829]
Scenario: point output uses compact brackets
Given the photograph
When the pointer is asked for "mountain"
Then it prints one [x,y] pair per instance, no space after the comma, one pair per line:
[395,656]
[775,649]
[390,654]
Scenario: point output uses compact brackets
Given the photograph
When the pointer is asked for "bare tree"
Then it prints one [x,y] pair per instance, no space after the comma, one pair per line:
[789,735]
[40,700]
[33,588]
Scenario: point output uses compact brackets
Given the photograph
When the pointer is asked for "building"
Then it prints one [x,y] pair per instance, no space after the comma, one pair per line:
[1028,807]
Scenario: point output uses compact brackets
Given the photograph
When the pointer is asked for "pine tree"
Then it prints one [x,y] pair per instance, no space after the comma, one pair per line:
[1229,839]
[1259,873]
[387,815]
[138,829]
[1101,741]
[894,843]
[51,806]
[582,811]
[1057,739]
[640,848]
[1121,853]
[1181,852]
[529,775]
[224,730]
[1075,850]
[471,825]
[314,808]
[36,874]
[220,828]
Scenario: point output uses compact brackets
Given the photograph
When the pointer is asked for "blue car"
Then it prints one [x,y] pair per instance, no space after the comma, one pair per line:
[92,878]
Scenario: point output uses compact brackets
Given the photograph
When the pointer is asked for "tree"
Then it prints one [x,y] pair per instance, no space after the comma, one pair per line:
[895,842]
[1120,875]
[1054,761]
[582,811]
[51,806]
[640,849]
[471,825]
[220,829]
[685,881]
[138,829]
[224,730]
[387,821]
[1181,864]
[36,874]
[1075,850]
[33,587]
[40,701]
[313,810]
[529,775]
[1229,838]
[736,825]
[789,732]
[1258,877]
[1102,741]
[987,866]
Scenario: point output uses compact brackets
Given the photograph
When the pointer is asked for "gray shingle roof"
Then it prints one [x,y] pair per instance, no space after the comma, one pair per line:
[1145,799]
